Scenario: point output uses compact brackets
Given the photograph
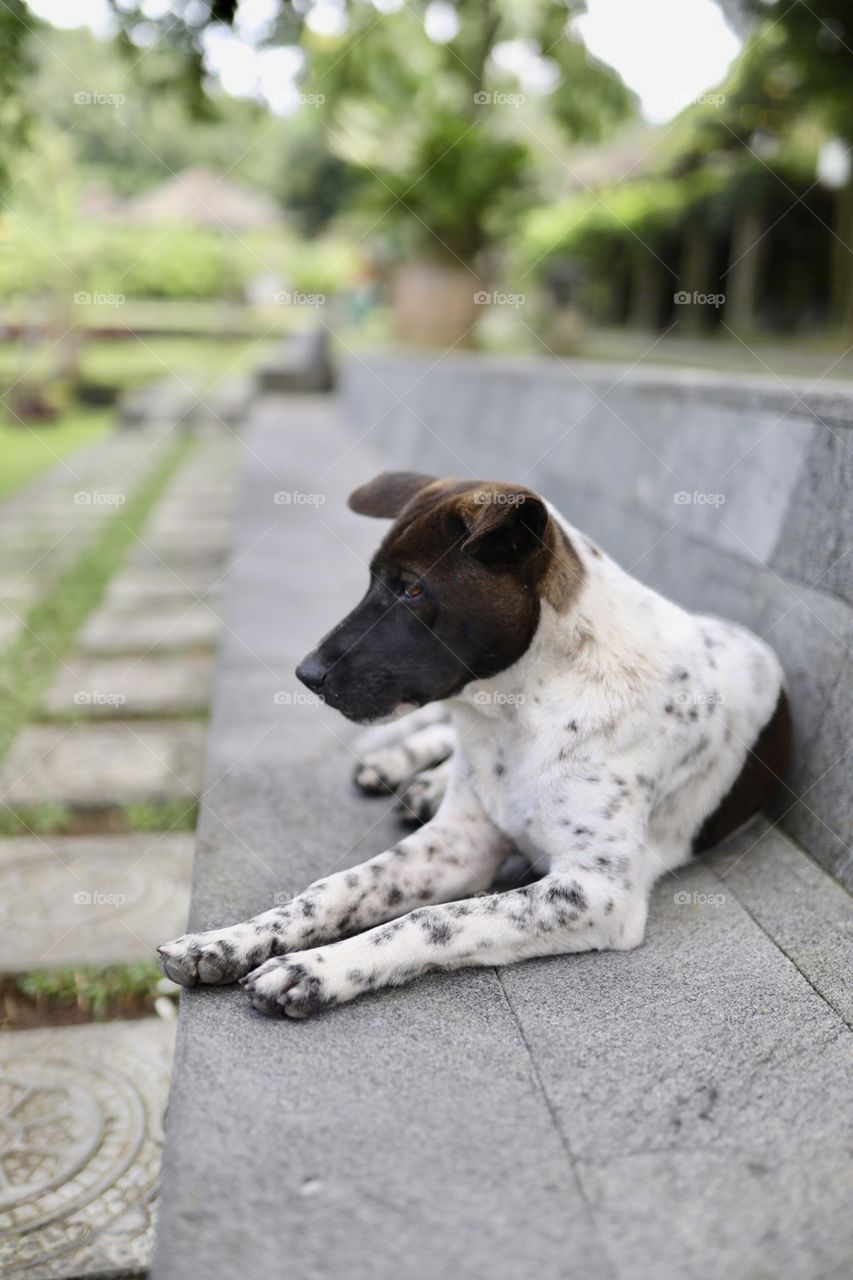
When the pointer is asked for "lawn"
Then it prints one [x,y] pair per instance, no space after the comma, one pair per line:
[26,451]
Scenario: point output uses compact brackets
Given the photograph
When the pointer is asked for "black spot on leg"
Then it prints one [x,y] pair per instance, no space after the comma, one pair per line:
[351,880]
[394,896]
[439,932]
[500,770]
[608,907]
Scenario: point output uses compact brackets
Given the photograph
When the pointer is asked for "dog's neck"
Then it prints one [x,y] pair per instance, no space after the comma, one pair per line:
[594,659]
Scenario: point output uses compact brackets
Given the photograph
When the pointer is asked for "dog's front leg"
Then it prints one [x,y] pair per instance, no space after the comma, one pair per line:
[455,855]
[560,913]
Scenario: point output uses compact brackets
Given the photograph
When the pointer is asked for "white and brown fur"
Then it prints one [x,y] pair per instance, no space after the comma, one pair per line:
[624,734]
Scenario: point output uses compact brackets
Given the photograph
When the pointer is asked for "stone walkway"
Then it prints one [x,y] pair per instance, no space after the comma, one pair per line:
[119,729]
[47,526]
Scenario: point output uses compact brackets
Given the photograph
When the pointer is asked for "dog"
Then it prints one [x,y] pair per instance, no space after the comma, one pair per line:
[583,721]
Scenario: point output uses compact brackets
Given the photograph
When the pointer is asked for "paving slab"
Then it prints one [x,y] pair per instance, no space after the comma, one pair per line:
[176,625]
[99,766]
[110,688]
[140,588]
[99,899]
[807,914]
[82,1113]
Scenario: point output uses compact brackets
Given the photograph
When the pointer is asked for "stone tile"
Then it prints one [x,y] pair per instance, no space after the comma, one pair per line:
[144,588]
[822,814]
[816,541]
[177,625]
[104,688]
[743,1215]
[102,899]
[98,766]
[90,1102]
[804,911]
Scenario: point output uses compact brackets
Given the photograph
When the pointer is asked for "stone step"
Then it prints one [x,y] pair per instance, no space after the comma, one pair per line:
[83,1108]
[101,766]
[110,688]
[91,900]
[174,626]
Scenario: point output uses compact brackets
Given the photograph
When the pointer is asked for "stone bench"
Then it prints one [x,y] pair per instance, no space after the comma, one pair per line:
[677,1111]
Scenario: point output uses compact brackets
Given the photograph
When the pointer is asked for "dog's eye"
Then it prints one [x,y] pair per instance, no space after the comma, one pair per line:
[412,590]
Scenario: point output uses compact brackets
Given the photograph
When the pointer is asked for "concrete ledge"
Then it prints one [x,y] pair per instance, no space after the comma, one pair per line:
[678,1112]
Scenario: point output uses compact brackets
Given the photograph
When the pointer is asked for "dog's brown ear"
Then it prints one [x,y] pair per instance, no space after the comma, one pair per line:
[388,493]
[506,526]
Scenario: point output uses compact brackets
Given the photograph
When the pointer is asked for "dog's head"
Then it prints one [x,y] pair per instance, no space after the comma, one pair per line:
[455,593]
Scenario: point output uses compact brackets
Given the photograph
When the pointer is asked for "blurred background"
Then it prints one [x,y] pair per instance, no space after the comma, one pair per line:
[183,180]
[199,197]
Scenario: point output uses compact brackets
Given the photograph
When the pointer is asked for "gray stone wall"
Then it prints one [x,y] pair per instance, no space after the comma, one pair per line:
[730,495]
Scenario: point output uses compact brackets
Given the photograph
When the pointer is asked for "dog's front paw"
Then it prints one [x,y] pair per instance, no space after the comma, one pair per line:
[216,957]
[294,985]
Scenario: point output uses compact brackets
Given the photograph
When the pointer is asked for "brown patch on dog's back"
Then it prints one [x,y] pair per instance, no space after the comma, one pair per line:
[759,779]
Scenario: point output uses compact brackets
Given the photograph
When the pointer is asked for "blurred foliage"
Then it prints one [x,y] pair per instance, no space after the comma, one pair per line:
[16,63]
[443,138]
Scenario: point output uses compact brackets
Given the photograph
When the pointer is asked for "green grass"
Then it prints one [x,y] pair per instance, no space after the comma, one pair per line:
[52,819]
[26,451]
[98,991]
[27,666]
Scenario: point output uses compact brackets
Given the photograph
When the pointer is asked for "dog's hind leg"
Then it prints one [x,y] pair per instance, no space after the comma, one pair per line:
[421,799]
[377,736]
[390,767]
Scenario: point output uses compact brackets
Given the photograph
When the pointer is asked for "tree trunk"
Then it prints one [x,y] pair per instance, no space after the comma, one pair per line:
[693,276]
[644,304]
[740,284]
[841,280]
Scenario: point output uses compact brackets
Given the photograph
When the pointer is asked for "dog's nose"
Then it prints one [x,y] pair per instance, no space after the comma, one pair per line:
[311,672]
